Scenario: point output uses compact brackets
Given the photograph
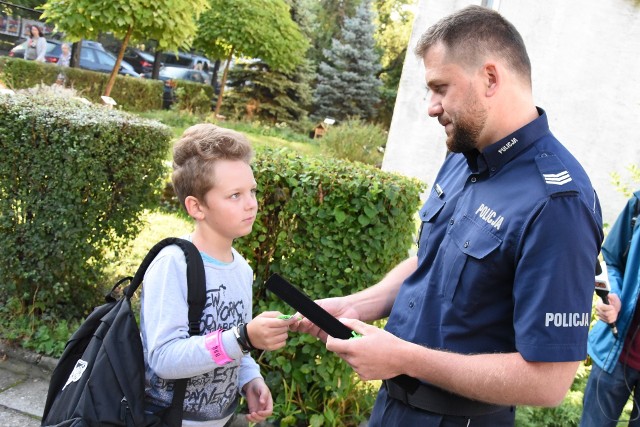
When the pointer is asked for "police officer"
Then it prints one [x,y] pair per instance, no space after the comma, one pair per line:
[494,310]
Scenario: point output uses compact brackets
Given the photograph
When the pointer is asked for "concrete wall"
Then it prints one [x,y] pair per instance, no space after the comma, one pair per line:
[585,56]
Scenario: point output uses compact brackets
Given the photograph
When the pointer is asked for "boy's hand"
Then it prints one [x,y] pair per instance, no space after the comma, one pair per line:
[259,400]
[269,332]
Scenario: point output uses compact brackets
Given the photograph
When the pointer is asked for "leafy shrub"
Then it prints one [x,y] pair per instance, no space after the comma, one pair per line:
[192,97]
[73,181]
[332,227]
[356,140]
[130,93]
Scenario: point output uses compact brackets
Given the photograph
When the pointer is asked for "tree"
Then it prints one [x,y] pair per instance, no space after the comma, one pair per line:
[170,22]
[274,96]
[250,28]
[393,30]
[347,83]
[271,96]
[329,19]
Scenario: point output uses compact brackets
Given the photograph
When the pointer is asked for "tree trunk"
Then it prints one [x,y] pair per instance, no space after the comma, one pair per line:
[224,81]
[214,77]
[116,67]
[155,72]
[75,54]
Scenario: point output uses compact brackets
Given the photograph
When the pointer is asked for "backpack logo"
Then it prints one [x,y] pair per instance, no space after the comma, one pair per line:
[77,372]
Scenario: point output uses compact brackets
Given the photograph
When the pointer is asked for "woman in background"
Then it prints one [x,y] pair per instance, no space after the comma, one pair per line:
[36,45]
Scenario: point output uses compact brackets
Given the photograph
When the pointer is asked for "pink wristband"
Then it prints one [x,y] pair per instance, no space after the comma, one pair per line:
[213,343]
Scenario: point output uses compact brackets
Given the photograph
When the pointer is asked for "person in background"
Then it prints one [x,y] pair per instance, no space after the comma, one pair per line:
[494,310]
[36,45]
[214,182]
[65,55]
[615,367]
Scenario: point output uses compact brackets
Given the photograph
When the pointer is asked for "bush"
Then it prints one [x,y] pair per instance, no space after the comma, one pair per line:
[73,181]
[333,228]
[130,93]
[356,140]
[195,98]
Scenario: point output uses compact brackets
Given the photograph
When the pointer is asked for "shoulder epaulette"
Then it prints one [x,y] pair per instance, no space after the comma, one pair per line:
[556,177]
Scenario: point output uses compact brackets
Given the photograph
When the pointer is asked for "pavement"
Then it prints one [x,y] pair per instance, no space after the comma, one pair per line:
[24,382]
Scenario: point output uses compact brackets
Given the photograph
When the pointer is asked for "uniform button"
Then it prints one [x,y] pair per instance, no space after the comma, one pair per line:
[493,169]
[473,179]
[466,244]
[411,304]
[451,221]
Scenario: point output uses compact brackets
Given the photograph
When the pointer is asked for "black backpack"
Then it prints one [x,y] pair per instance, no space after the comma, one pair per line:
[99,379]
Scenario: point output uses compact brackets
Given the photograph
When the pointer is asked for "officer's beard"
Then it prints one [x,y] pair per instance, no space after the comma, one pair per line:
[467,127]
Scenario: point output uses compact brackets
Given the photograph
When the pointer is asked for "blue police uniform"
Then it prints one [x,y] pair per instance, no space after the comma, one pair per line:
[506,261]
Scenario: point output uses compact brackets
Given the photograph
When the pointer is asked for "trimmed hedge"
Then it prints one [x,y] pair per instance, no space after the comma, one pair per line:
[73,182]
[132,94]
[196,98]
[331,227]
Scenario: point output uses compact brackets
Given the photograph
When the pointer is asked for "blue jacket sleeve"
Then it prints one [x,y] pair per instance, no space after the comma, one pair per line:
[616,243]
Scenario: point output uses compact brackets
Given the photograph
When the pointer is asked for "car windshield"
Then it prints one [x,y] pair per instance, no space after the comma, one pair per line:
[146,56]
[174,73]
[172,58]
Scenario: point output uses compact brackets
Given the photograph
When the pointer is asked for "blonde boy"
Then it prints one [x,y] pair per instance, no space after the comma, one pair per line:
[213,179]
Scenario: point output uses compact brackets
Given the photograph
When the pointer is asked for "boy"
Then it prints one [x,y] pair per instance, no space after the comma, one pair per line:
[214,182]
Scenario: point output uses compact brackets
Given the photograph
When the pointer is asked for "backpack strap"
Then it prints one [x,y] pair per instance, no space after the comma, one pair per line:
[195,297]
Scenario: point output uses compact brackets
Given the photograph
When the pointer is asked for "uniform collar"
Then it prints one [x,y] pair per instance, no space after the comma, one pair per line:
[498,154]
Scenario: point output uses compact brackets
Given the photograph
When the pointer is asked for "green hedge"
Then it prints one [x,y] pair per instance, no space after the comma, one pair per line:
[332,227]
[73,182]
[196,98]
[130,93]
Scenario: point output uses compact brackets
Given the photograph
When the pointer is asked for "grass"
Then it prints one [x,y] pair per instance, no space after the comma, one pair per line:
[159,225]
[258,134]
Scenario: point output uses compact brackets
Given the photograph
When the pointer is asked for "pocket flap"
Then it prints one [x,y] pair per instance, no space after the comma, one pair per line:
[473,240]
[431,208]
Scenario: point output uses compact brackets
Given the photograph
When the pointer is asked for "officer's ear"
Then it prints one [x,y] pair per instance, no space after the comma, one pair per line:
[492,77]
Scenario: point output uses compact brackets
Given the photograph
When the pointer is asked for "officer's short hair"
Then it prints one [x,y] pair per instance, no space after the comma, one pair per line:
[471,33]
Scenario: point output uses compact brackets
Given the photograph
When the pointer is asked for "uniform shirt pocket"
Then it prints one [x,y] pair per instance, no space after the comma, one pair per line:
[428,215]
[468,246]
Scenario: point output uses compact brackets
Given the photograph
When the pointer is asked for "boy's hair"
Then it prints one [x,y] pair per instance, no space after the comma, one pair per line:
[470,33]
[195,155]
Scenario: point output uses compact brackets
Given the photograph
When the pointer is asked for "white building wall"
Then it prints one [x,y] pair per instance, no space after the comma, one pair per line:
[585,56]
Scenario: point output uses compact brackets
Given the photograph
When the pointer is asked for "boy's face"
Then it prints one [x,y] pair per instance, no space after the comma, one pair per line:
[231,204]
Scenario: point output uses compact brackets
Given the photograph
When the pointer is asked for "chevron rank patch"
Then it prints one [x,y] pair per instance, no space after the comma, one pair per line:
[557,178]
[555,175]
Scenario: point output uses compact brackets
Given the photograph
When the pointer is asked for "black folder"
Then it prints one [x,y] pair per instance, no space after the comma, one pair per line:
[321,318]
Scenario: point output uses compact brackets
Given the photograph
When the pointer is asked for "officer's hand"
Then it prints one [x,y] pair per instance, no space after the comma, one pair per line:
[609,312]
[338,307]
[371,354]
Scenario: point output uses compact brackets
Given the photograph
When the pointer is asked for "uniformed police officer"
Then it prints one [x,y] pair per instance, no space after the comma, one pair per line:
[494,310]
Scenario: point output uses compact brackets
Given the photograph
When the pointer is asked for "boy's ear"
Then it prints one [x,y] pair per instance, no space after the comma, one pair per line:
[194,208]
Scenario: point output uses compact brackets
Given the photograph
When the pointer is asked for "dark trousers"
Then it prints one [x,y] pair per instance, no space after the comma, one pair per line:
[389,412]
[606,395]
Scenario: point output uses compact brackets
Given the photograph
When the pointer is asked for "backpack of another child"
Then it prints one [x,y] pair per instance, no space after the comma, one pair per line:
[99,379]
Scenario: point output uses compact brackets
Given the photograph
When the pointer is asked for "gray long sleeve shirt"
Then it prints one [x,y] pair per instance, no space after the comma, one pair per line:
[170,353]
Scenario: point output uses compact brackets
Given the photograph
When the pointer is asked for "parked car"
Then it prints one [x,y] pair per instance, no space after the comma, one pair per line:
[92,57]
[141,61]
[186,60]
[169,74]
